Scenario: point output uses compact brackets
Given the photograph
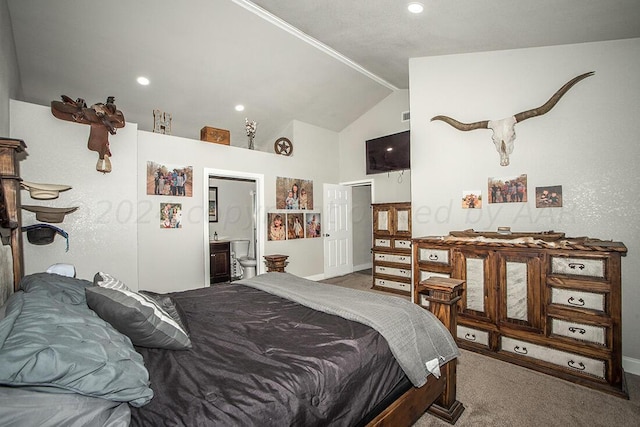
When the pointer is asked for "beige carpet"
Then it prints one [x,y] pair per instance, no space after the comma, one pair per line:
[497,393]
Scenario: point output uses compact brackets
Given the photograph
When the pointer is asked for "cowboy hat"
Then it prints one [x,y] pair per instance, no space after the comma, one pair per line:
[43,191]
[49,214]
[43,234]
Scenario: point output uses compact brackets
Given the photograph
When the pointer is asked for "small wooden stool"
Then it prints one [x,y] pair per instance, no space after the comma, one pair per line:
[276,262]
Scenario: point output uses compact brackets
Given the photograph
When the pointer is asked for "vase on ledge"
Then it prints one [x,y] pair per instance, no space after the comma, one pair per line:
[251,147]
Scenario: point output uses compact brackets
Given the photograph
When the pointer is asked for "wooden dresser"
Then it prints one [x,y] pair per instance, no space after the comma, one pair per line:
[392,247]
[548,303]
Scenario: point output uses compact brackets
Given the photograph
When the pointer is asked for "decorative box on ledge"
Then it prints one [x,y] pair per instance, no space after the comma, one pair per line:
[218,136]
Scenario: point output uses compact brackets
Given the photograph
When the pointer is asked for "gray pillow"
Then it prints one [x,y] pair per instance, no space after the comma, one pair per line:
[137,316]
[172,307]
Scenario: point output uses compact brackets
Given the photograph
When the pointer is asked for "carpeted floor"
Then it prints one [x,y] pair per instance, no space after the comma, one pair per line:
[497,393]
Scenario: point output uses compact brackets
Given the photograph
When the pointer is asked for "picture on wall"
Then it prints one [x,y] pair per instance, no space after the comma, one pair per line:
[277,226]
[508,190]
[213,204]
[295,226]
[170,215]
[549,197]
[293,193]
[313,225]
[472,199]
[169,180]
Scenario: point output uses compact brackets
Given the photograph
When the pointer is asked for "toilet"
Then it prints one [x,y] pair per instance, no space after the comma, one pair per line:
[240,255]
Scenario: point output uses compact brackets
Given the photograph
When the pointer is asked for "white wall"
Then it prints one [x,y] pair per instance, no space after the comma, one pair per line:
[235,215]
[102,232]
[588,144]
[116,228]
[362,227]
[162,268]
[10,87]
[383,119]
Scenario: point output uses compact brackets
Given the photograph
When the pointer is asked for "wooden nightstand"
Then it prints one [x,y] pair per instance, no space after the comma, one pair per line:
[276,262]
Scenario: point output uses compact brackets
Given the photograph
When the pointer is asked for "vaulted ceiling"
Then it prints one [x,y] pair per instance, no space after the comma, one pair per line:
[322,62]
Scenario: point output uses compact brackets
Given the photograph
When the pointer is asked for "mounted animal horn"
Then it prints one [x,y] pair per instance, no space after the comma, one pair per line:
[504,130]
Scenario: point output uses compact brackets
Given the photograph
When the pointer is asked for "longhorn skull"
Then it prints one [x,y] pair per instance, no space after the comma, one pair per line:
[504,130]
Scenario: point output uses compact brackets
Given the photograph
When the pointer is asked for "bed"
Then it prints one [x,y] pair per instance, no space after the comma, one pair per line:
[270,351]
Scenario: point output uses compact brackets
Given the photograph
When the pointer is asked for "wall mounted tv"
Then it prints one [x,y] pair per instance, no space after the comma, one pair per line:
[389,153]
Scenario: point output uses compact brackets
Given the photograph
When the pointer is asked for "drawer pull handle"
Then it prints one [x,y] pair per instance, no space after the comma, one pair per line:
[579,366]
[574,265]
[521,350]
[579,330]
[433,257]
[470,337]
[572,301]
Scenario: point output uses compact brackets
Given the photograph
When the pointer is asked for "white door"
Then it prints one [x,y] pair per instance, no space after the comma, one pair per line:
[337,231]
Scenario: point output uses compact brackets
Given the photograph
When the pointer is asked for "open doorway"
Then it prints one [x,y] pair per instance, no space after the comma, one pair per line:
[234,203]
[362,228]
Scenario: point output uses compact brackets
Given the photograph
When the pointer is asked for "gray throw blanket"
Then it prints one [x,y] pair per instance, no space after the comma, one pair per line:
[418,340]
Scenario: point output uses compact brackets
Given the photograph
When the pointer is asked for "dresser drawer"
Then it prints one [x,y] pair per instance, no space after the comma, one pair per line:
[384,283]
[382,243]
[391,271]
[572,362]
[402,244]
[578,299]
[424,275]
[579,331]
[439,256]
[384,257]
[471,335]
[583,267]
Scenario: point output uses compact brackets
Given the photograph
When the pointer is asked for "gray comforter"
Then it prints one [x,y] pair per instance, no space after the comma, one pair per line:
[418,340]
[51,341]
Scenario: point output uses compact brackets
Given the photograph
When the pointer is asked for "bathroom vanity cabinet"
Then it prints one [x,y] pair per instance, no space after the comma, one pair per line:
[219,262]
[553,305]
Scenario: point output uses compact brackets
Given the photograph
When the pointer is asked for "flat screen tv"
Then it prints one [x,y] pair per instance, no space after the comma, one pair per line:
[389,153]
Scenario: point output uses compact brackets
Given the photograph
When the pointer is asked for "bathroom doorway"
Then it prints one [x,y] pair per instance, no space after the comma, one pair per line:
[234,201]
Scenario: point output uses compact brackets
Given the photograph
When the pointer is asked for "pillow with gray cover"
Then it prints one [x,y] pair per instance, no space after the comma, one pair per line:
[136,315]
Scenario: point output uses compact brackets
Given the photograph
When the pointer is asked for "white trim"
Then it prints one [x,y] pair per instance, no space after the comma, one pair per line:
[316,277]
[631,365]
[269,17]
[261,232]
[363,183]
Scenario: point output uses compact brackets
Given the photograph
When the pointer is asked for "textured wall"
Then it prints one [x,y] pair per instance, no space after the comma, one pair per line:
[588,144]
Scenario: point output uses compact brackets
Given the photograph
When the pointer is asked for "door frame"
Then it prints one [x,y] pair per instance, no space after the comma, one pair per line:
[261,233]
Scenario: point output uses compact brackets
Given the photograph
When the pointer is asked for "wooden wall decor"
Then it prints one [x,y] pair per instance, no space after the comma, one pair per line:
[161,122]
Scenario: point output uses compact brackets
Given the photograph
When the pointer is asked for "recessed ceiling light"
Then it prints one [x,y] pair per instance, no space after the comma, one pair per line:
[143,81]
[239,107]
[415,7]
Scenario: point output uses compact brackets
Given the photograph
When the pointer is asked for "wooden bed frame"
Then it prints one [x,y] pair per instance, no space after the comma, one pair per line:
[10,208]
[438,395]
